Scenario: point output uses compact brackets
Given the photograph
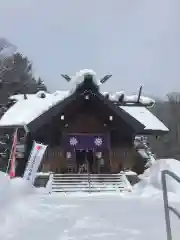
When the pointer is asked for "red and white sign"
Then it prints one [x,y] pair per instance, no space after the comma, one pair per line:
[34,161]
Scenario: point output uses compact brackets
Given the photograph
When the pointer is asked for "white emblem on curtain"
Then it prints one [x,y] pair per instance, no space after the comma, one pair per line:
[73,141]
[98,141]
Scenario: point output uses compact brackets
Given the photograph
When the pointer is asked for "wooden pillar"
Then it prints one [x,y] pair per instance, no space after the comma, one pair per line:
[110,153]
[22,162]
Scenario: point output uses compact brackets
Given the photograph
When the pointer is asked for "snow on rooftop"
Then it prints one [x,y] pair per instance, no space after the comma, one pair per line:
[79,78]
[130,99]
[145,117]
[26,110]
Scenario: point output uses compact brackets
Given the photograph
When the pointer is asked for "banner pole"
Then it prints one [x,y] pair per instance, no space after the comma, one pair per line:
[13,150]
[8,165]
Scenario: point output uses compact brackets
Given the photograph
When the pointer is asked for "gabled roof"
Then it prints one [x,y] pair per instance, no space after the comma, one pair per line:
[144,116]
[39,108]
[59,107]
[27,110]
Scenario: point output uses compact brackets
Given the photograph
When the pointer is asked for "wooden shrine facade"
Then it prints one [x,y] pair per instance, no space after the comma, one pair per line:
[85,132]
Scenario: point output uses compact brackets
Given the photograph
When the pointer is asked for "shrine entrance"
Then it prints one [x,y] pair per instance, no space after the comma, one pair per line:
[87,153]
[85,161]
[88,161]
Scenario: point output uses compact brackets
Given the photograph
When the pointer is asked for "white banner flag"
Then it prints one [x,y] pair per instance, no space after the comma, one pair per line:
[34,161]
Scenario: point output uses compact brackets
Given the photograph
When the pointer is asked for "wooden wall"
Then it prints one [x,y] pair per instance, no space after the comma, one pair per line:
[85,123]
[120,156]
[53,160]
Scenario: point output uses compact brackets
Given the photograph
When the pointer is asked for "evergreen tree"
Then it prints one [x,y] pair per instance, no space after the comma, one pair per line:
[16,76]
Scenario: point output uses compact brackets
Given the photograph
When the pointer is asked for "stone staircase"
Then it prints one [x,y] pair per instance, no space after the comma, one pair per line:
[89,183]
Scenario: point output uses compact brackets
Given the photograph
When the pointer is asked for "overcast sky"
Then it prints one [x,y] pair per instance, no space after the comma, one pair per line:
[138,41]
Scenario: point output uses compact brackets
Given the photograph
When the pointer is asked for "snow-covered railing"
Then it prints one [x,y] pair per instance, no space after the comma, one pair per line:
[39,174]
[126,181]
[167,207]
[49,183]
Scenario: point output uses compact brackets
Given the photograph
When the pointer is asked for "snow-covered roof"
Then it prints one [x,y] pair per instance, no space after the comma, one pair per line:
[26,110]
[144,116]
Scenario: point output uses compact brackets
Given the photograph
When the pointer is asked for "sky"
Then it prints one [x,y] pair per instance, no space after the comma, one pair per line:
[138,41]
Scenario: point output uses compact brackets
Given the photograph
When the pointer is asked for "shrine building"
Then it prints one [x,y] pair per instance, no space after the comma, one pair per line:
[86,130]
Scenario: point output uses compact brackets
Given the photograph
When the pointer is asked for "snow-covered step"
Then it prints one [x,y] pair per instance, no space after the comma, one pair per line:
[84,183]
[86,176]
[84,190]
[90,183]
[86,180]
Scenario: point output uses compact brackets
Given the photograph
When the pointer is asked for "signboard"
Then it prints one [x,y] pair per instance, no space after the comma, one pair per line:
[34,161]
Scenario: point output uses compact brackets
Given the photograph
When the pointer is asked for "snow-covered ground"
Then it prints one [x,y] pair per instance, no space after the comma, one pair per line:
[30,214]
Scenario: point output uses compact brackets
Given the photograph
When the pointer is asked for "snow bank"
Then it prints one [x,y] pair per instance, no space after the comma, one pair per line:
[13,189]
[4,180]
[151,179]
[19,187]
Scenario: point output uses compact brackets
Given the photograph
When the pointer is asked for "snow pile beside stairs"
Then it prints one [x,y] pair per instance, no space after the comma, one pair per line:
[13,189]
[151,179]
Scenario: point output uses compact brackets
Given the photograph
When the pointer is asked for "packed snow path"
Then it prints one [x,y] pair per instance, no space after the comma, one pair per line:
[85,217]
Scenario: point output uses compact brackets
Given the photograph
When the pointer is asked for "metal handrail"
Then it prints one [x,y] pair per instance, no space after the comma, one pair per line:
[167,207]
[89,182]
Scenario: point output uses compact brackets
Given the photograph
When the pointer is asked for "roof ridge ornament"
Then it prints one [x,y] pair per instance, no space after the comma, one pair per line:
[65,76]
[139,94]
[80,77]
[105,78]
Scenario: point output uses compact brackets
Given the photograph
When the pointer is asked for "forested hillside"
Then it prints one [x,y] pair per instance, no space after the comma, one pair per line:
[169,112]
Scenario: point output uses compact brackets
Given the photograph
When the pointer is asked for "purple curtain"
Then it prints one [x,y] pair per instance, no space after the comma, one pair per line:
[83,141]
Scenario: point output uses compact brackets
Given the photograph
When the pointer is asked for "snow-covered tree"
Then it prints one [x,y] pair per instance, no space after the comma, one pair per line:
[16,73]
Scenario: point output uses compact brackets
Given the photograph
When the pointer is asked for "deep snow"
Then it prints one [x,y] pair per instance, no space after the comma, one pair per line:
[151,178]
[30,214]
[86,217]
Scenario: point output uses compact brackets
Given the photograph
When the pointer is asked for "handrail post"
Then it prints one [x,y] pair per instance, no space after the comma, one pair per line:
[166,206]
[49,183]
[89,182]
